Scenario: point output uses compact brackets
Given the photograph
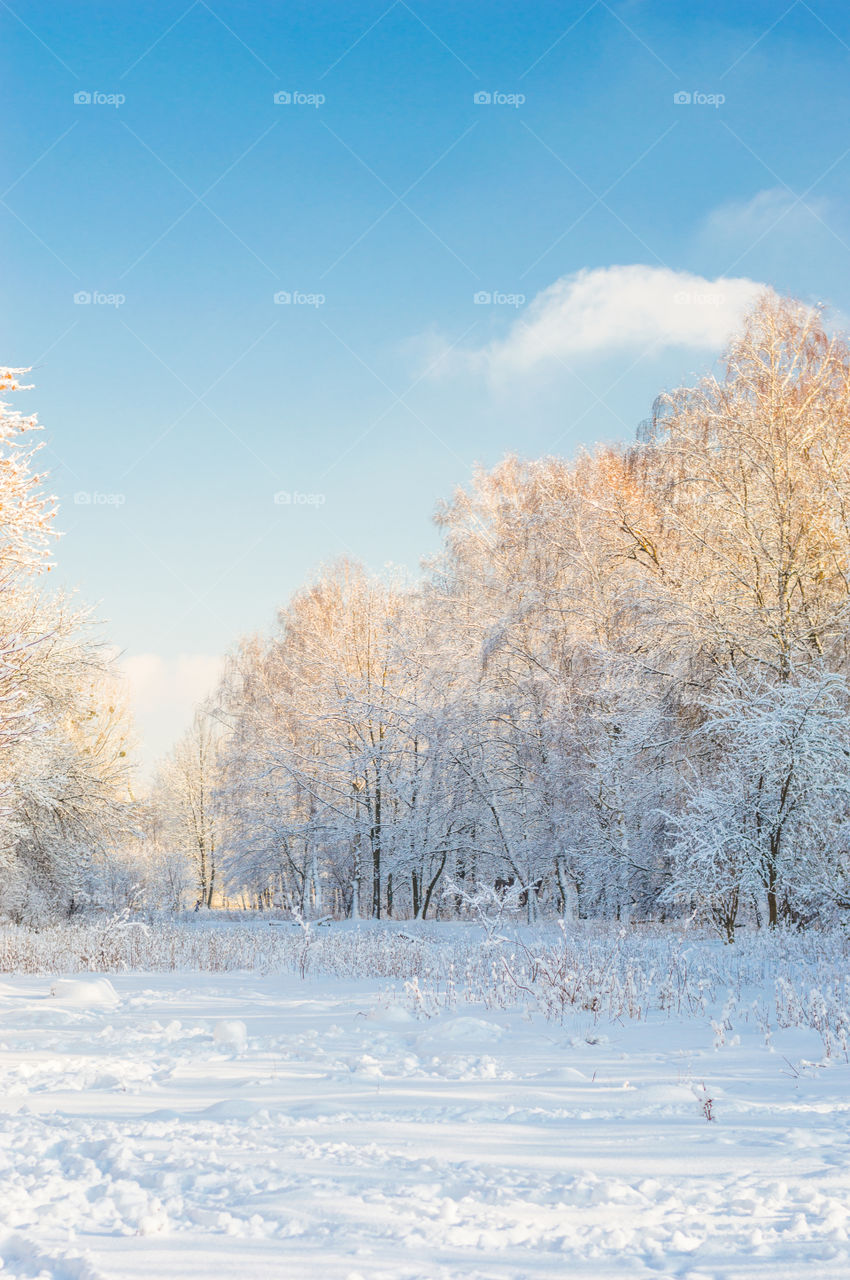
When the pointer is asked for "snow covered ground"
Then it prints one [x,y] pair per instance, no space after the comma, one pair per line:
[233,1125]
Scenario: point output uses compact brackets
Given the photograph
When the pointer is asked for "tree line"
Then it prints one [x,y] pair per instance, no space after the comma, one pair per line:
[619,691]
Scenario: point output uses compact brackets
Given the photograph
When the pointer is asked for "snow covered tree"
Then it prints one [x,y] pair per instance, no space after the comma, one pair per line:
[768,800]
[26,517]
[750,479]
[619,689]
[184,798]
[67,798]
[65,739]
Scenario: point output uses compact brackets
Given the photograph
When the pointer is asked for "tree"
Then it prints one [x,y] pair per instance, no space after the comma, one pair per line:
[26,517]
[750,481]
[65,797]
[769,799]
[66,782]
[184,794]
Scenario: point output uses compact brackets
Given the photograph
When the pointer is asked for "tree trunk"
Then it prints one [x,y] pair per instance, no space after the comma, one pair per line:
[376,881]
[376,857]
[770,883]
[432,886]
[354,913]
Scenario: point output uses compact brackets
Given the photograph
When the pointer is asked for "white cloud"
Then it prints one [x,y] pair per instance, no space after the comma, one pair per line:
[799,245]
[164,693]
[774,213]
[156,681]
[615,308]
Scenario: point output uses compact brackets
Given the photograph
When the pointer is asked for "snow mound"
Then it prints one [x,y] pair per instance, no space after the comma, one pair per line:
[231,1035]
[390,1013]
[465,1031]
[562,1075]
[232,1109]
[85,993]
[28,1259]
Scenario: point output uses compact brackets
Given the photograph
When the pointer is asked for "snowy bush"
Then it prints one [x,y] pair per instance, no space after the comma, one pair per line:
[587,970]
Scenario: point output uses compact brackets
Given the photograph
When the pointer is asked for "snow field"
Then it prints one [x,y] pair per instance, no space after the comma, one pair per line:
[232,1125]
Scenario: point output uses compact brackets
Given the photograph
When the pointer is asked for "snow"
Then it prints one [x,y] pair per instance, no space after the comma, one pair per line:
[85,993]
[231,1035]
[233,1125]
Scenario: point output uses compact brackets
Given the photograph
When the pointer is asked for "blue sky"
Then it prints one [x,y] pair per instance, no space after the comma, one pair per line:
[182,411]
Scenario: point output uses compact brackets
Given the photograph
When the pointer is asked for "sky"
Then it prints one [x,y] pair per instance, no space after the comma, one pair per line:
[286,273]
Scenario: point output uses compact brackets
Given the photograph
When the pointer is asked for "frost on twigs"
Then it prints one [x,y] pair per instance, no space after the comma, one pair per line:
[489,905]
[26,514]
